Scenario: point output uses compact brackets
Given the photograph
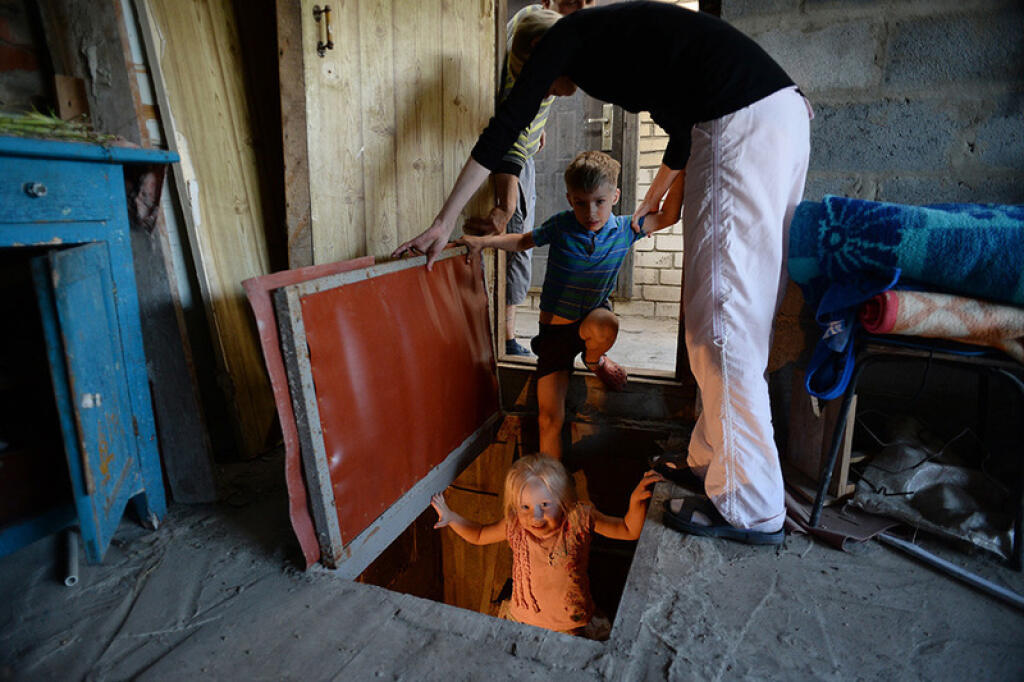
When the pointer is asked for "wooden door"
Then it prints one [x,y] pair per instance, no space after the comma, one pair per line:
[378,125]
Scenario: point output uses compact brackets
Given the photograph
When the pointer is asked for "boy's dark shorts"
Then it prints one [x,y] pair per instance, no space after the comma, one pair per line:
[557,345]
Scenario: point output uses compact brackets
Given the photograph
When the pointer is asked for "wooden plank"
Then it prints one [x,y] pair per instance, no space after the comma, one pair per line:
[840,484]
[185,446]
[379,157]
[291,71]
[334,140]
[295,350]
[87,40]
[194,52]
[474,574]
[468,90]
[419,116]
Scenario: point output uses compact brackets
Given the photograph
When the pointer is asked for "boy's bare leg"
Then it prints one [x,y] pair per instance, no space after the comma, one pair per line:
[598,330]
[551,390]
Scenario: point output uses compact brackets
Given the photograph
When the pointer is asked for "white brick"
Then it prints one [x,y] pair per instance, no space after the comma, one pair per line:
[644,308]
[668,242]
[655,259]
[645,244]
[662,293]
[647,275]
[670,310]
[652,144]
[677,260]
[670,277]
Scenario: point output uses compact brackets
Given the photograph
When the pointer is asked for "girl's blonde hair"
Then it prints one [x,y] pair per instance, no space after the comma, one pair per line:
[548,471]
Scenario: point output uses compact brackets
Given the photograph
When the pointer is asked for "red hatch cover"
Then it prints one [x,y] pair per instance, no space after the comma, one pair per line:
[394,389]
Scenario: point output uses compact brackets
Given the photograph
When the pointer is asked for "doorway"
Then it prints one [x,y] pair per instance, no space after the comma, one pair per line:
[648,292]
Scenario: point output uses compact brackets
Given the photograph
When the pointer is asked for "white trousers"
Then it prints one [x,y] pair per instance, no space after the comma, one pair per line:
[744,178]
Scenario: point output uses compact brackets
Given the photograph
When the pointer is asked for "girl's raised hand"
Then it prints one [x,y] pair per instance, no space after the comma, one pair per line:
[643,490]
[444,514]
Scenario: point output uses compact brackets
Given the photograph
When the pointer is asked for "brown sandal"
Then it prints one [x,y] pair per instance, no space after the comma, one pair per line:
[609,372]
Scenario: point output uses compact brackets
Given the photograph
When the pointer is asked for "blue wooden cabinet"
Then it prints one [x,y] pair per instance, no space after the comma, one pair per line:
[63,206]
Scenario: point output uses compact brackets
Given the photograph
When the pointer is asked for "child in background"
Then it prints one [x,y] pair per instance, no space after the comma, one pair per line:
[549,532]
[587,247]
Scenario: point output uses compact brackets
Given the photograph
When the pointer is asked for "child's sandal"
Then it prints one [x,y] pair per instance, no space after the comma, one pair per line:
[609,372]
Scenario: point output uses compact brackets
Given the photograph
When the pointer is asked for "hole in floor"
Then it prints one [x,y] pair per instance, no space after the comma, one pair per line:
[606,464]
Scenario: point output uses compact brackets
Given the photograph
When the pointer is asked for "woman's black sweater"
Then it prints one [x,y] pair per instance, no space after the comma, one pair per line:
[683,67]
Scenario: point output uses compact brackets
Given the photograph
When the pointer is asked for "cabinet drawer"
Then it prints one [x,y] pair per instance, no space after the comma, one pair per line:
[45,191]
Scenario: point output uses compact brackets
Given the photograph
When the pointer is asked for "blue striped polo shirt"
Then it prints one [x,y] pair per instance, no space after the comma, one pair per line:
[582,265]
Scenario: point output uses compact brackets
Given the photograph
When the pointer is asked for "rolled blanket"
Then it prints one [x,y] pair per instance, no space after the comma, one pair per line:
[972,250]
[935,315]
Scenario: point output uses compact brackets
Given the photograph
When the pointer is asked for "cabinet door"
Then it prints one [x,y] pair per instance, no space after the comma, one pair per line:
[76,300]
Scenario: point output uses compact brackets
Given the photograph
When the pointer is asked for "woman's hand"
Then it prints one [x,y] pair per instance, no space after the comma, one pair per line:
[444,514]
[645,208]
[495,223]
[429,243]
[652,200]
[433,240]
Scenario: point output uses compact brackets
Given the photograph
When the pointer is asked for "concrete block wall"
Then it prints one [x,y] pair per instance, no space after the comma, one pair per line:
[916,101]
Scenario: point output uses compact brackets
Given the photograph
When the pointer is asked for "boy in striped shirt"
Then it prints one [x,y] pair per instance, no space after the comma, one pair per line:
[587,247]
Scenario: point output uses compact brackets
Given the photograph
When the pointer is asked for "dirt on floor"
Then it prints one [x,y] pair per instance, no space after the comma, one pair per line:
[217,593]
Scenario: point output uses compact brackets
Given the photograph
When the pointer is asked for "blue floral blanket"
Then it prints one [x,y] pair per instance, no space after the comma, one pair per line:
[974,250]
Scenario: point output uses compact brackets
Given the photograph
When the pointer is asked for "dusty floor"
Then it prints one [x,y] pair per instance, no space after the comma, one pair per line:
[215,594]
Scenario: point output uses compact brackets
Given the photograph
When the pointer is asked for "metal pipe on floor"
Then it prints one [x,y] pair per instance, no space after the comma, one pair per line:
[976,581]
[71,557]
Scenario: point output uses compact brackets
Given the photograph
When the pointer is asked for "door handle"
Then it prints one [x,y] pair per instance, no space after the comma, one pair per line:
[326,41]
[607,122]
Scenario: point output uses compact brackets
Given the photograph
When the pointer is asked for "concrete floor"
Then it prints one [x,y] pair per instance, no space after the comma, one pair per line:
[215,593]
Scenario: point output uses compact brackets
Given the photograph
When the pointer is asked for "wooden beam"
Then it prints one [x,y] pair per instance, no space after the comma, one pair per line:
[291,71]
[217,183]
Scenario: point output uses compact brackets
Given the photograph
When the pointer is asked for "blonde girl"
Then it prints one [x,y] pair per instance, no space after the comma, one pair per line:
[549,532]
